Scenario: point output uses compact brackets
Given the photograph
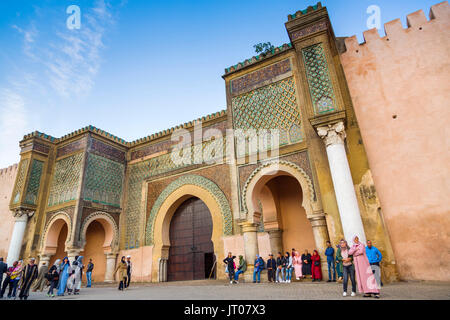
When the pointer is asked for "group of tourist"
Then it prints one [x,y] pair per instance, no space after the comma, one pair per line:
[62,276]
[359,263]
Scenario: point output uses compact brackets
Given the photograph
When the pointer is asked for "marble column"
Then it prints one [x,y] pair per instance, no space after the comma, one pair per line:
[15,245]
[320,232]
[110,266]
[276,243]
[249,230]
[333,137]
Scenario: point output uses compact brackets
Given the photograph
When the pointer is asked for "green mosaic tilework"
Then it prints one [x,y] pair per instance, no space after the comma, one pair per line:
[271,107]
[137,174]
[66,179]
[21,176]
[103,182]
[201,182]
[34,182]
[320,86]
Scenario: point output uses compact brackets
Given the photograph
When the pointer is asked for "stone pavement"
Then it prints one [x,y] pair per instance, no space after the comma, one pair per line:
[219,290]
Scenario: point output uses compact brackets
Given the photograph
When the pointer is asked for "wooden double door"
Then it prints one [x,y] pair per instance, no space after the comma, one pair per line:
[191,252]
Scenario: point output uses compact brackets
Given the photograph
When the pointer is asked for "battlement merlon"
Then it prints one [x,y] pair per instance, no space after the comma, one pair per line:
[417,21]
[309,23]
[10,169]
[37,136]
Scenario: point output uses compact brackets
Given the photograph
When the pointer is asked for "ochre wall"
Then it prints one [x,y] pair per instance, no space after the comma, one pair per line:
[60,253]
[7,178]
[95,238]
[400,92]
[141,259]
[297,230]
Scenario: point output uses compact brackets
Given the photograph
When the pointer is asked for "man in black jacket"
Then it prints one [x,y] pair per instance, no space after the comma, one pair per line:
[229,261]
[271,268]
[281,262]
[3,269]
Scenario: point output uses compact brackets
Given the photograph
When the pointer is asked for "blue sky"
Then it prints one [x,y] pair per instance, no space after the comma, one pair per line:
[138,67]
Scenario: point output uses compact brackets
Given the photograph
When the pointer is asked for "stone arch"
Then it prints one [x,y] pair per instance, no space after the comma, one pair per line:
[109,225]
[165,206]
[270,219]
[267,171]
[49,240]
[198,181]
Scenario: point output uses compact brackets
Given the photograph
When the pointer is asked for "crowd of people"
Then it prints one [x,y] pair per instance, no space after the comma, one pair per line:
[359,263]
[62,277]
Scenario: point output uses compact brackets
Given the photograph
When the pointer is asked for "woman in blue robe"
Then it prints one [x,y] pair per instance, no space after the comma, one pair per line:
[64,275]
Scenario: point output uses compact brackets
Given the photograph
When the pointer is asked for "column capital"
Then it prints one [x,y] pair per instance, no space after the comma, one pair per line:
[332,133]
[22,214]
[111,255]
[317,221]
[249,227]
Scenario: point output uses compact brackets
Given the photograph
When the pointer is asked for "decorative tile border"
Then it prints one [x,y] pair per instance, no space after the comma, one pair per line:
[201,182]
[107,151]
[323,25]
[71,147]
[253,79]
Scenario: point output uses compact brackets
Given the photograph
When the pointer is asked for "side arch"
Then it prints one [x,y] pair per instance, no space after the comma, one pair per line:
[201,182]
[49,239]
[108,223]
[265,172]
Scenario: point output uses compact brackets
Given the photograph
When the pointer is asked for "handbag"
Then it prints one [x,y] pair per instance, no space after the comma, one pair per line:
[316,263]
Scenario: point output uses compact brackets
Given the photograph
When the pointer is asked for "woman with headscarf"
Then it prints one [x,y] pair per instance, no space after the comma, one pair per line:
[306,263]
[78,275]
[316,270]
[364,275]
[74,281]
[53,277]
[297,263]
[339,267]
[122,267]
[40,281]
[66,271]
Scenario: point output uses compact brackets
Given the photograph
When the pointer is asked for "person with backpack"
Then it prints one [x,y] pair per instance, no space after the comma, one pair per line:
[259,266]
[53,277]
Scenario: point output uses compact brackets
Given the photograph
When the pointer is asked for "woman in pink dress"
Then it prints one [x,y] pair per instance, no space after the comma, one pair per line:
[297,262]
[364,276]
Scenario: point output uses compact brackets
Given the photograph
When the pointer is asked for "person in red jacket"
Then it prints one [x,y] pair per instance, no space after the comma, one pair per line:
[315,267]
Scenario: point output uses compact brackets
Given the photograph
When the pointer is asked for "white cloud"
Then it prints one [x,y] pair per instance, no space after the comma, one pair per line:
[13,123]
[71,58]
[64,63]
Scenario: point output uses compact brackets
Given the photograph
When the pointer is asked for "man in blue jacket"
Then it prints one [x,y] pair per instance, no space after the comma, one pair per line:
[258,267]
[329,252]
[374,256]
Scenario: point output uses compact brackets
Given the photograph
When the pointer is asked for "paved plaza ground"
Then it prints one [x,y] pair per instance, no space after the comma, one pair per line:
[219,290]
